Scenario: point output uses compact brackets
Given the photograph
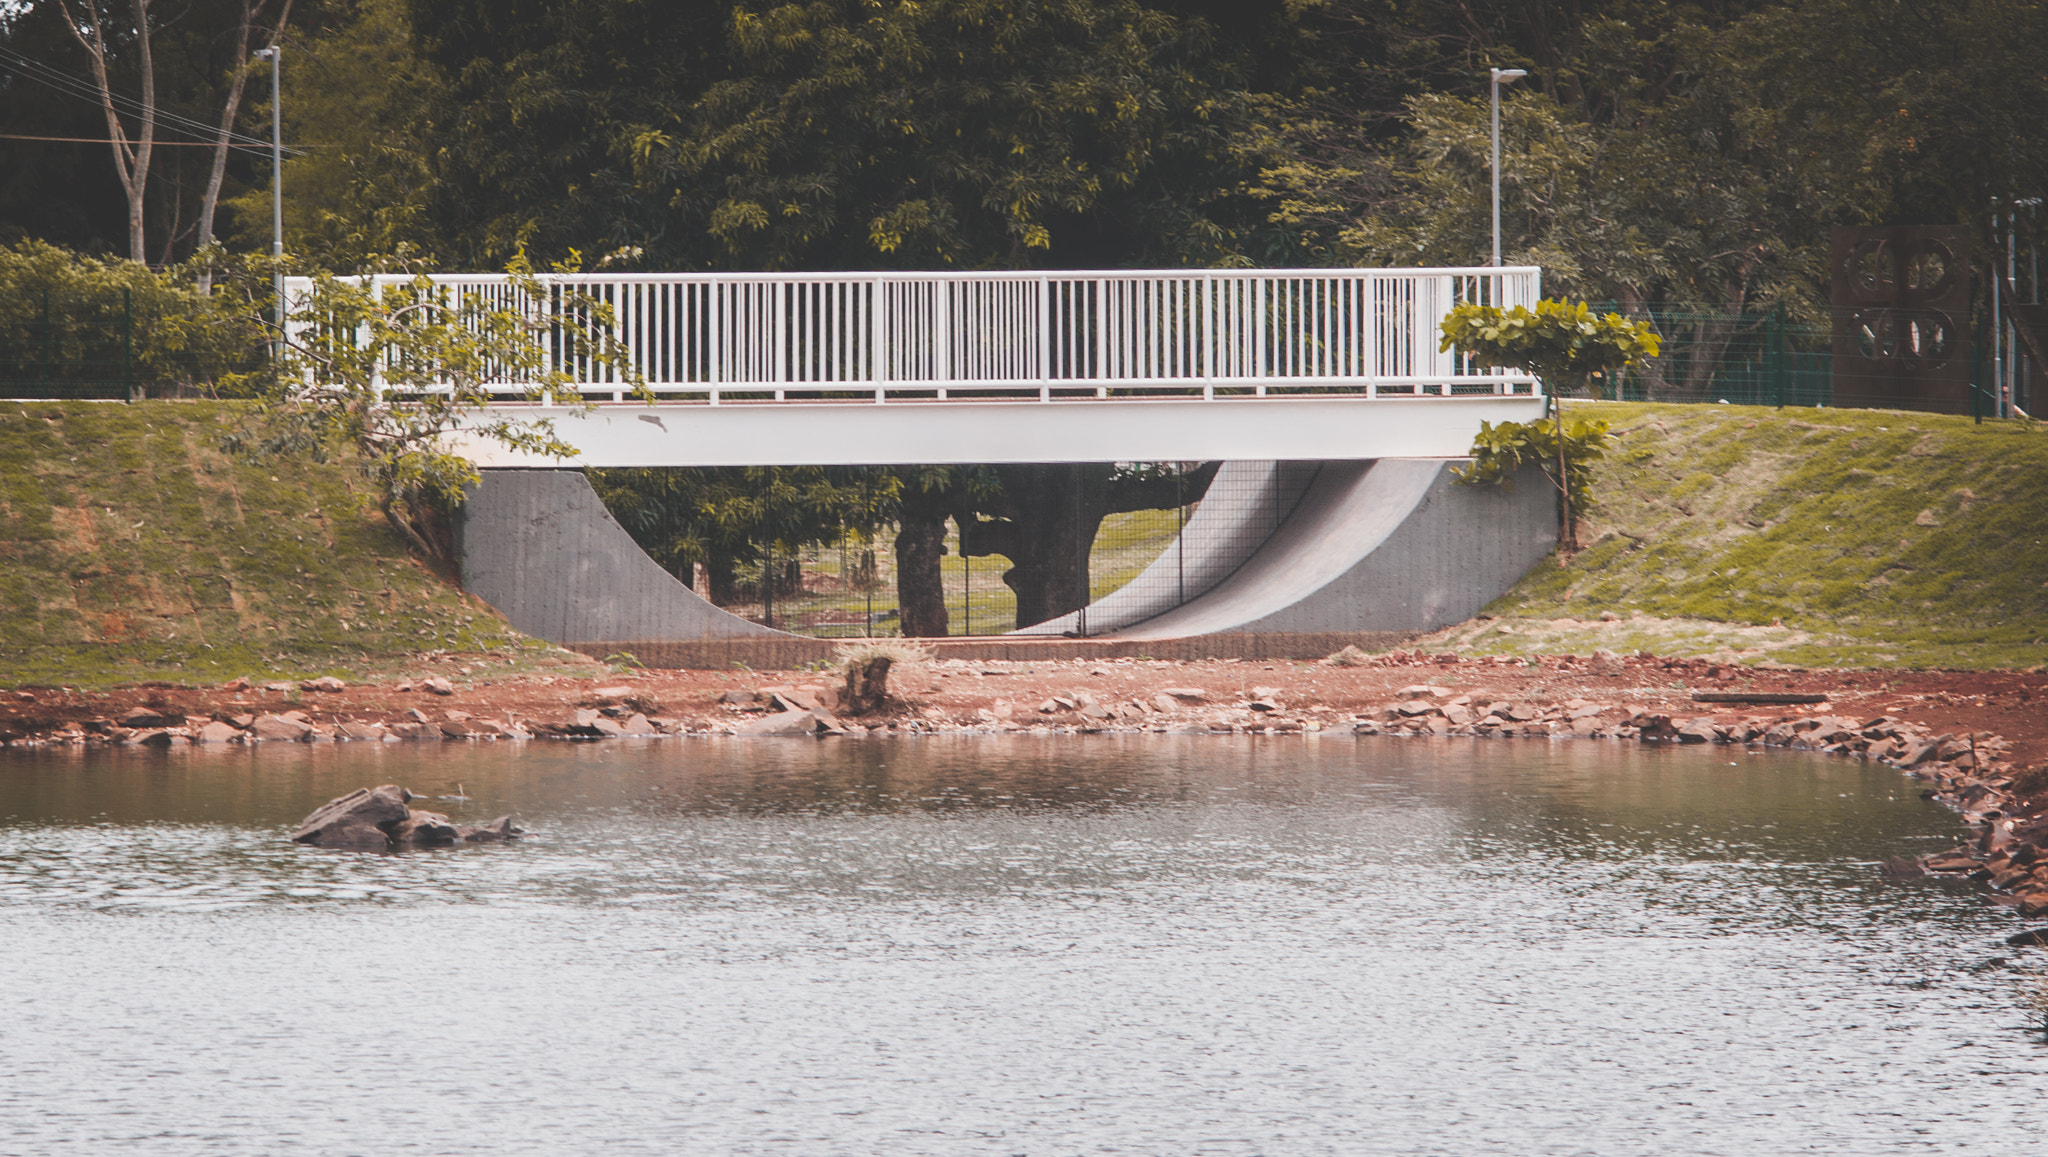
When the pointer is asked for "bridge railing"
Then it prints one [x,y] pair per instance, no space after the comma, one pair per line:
[883,337]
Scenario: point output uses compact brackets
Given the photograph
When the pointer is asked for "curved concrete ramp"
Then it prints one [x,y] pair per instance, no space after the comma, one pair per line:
[540,546]
[1392,545]
[1245,503]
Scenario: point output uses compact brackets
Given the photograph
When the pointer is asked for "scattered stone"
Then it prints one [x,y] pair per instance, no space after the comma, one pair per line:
[278,727]
[795,699]
[1423,691]
[238,683]
[438,685]
[1051,706]
[145,717]
[455,729]
[1263,705]
[1163,703]
[778,723]
[1189,694]
[417,715]
[739,698]
[607,695]
[217,732]
[278,687]
[326,683]
[1604,661]
[638,724]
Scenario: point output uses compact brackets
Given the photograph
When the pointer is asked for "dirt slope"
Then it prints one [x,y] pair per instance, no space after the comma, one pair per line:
[132,548]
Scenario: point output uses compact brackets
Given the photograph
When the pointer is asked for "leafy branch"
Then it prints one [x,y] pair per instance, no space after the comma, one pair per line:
[392,372]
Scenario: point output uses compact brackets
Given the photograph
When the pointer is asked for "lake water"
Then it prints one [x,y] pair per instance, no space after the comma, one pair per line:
[1003,945]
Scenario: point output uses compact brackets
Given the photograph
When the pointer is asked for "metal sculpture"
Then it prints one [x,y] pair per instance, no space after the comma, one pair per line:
[1901,297]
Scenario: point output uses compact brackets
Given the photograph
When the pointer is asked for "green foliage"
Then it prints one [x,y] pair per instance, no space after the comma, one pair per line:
[1560,342]
[391,373]
[726,517]
[1672,156]
[361,102]
[1498,452]
[181,338]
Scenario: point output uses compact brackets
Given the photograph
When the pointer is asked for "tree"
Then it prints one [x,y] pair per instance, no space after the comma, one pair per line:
[389,373]
[1565,345]
[251,25]
[97,33]
[364,109]
[726,517]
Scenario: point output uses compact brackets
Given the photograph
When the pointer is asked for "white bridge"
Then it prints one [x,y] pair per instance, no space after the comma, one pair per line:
[885,368]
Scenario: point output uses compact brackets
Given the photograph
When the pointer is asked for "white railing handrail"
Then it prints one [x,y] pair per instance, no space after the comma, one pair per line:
[1063,333]
[701,278]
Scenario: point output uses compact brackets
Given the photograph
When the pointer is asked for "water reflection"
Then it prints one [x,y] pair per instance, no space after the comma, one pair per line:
[960,945]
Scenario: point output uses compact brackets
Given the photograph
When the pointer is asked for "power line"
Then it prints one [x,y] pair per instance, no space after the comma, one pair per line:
[153,144]
[70,85]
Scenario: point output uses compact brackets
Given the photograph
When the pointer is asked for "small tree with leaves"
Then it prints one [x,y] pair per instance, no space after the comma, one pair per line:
[1567,346]
[392,372]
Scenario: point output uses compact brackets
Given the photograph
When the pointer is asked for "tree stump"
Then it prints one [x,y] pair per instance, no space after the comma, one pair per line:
[867,686]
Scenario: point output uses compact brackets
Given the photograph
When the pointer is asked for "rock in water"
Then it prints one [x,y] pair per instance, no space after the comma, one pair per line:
[498,829]
[361,819]
[420,829]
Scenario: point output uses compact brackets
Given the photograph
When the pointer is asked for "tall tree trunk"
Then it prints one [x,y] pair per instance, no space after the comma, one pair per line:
[231,108]
[131,161]
[720,580]
[920,585]
[1056,511]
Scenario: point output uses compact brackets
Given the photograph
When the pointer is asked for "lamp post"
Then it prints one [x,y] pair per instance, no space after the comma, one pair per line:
[276,60]
[1500,76]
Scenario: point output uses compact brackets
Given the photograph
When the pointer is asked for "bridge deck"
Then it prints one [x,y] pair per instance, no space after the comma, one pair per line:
[1111,430]
[854,368]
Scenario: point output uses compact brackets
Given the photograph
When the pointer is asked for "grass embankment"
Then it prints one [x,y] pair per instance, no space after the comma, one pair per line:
[133,549]
[1852,538]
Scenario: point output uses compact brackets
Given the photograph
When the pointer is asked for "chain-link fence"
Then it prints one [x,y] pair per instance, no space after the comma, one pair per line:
[65,345]
[1077,550]
[1767,360]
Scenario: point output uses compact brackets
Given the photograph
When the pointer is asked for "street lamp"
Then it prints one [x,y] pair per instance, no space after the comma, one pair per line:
[1500,76]
[272,55]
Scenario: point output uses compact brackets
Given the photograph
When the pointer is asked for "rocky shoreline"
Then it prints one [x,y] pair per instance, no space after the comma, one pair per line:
[1952,747]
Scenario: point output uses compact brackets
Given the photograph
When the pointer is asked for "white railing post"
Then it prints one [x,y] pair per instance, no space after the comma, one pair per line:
[1045,337]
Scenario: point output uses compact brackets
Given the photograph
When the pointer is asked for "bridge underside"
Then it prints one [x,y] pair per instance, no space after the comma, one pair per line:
[961,430]
[1368,553]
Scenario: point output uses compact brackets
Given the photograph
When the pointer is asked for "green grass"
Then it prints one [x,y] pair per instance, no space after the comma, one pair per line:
[132,549]
[1870,538]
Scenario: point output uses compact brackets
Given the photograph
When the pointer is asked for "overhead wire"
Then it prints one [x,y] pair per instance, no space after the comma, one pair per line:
[89,90]
[70,85]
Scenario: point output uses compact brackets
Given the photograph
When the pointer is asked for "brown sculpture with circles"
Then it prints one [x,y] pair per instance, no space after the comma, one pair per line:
[1901,297]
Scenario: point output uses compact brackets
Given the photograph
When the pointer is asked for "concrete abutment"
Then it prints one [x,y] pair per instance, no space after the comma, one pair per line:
[1369,553]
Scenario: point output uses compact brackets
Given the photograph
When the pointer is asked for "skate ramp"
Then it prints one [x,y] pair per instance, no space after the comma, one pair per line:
[1391,545]
[1244,504]
[540,546]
